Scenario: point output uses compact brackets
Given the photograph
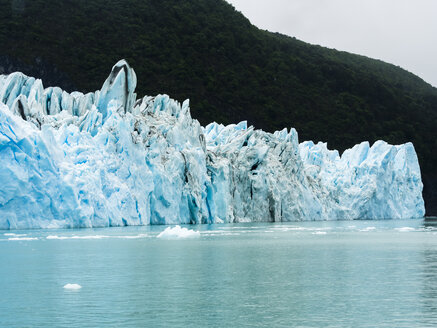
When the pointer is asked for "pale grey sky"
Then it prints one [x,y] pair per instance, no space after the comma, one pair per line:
[401,32]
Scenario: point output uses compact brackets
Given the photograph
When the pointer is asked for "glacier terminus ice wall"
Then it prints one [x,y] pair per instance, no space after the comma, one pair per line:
[109,158]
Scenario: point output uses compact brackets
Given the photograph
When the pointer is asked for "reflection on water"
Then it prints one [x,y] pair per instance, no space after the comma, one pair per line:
[308,274]
[430,222]
[429,289]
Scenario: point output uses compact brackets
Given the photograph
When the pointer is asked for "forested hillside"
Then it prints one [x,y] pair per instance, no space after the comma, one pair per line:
[206,51]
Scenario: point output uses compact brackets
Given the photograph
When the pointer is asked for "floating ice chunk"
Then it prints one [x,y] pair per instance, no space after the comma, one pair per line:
[22,238]
[76,237]
[139,236]
[72,286]
[405,229]
[319,233]
[56,237]
[178,233]
[368,229]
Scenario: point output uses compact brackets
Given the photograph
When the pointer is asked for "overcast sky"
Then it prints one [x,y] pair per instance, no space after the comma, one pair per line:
[401,32]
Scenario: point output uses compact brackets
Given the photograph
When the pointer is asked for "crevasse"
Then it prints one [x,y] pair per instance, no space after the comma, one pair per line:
[107,159]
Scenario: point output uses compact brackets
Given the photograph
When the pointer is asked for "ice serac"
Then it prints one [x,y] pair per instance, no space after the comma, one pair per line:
[106,159]
[118,89]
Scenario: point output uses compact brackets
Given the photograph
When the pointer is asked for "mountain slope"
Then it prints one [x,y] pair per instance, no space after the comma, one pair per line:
[206,51]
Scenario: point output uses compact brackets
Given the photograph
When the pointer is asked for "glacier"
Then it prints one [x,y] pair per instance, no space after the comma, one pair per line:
[109,159]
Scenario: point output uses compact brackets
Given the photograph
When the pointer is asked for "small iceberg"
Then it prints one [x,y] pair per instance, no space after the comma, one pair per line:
[178,233]
[72,286]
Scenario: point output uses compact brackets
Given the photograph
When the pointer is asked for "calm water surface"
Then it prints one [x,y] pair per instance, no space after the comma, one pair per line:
[310,274]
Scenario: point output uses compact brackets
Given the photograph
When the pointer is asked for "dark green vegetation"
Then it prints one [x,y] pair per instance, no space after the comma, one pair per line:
[231,71]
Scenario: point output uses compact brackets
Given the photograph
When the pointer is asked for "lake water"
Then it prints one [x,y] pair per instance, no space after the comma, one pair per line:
[308,274]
